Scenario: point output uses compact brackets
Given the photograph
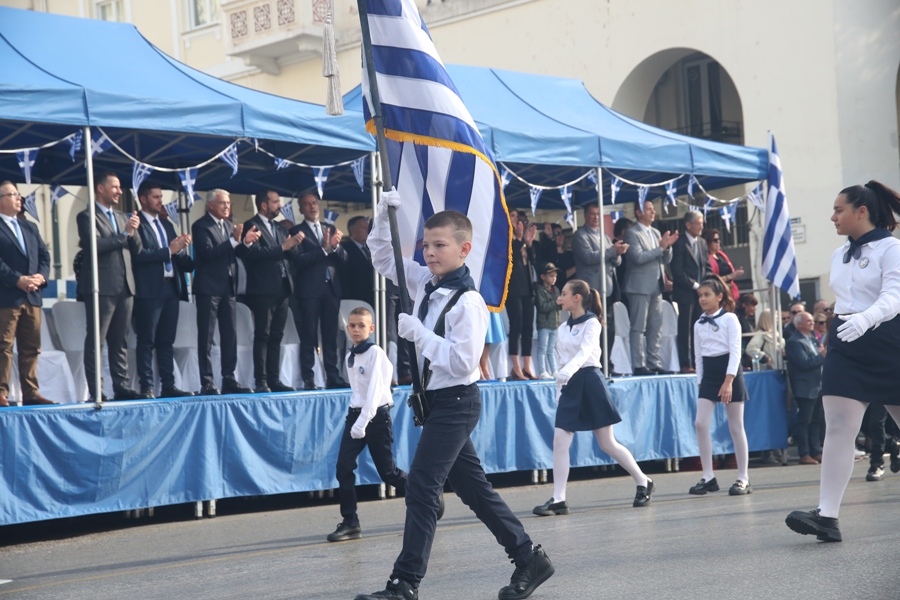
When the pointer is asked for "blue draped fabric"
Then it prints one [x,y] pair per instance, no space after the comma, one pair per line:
[74,460]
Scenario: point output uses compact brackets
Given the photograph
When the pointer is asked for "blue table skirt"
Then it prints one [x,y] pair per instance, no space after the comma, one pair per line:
[74,460]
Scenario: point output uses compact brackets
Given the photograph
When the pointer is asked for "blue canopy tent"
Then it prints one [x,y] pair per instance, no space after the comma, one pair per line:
[550,130]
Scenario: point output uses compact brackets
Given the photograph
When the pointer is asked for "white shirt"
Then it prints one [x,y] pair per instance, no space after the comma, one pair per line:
[693,242]
[870,284]
[727,340]
[318,231]
[231,239]
[9,223]
[578,346]
[455,356]
[162,243]
[370,383]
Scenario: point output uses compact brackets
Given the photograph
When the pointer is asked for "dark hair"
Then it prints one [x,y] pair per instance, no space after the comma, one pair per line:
[590,298]
[746,300]
[458,223]
[262,196]
[590,206]
[709,233]
[354,221]
[100,177]
[8,182]
[620,226]
[882,202]
[146,186]
[361,310]
[718,286]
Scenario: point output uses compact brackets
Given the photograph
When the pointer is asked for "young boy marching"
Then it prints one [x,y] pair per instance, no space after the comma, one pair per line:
[449,364]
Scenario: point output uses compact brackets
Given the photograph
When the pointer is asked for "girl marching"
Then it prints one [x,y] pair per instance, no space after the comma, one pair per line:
[583,399]
[861,363]
[717,346]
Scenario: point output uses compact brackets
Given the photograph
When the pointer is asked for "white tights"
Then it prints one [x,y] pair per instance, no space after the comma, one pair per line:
[735,413]
[562,440]
[843,418]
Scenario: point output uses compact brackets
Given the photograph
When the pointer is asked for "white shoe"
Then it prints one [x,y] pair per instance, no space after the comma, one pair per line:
[545,375]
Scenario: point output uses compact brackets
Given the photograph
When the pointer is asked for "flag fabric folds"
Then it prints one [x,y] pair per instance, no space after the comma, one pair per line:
[437,157]
[779,262]
[29,205]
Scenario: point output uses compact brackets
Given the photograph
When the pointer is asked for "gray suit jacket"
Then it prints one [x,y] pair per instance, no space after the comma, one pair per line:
[589,253]
[644,267]
[113,254]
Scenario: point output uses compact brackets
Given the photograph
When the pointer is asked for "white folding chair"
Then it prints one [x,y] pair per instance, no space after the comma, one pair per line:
[668,350]
[244,333]
[290,354]
[70,323]
[187,361]
[620,354]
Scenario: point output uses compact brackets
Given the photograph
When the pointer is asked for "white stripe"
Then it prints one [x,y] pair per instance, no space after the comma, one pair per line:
[423,95]
[398,32]
[438,172]
[481,213]
[410,213]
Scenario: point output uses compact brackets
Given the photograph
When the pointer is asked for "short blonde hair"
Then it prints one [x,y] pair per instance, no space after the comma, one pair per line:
[458,223]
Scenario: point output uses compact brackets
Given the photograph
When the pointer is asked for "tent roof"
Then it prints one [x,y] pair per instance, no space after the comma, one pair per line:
[157,109]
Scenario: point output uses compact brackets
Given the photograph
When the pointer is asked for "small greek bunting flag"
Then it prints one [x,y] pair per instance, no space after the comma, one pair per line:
[56,192]
[99,144]
[281,163]
[614,186]
[29,206]
[231,158]
[642,195]
[321,176]
[329,217]
[288,210]
[138,174]
[504,178]
[690,187]
[188,179]
[728,214]
[172,210]
[27,158]
[615,215]
[756,197]
[75,143]
[535,195]
[359,171]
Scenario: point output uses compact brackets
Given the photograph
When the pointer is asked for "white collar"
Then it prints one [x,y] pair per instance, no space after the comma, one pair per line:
[690,238]
[643,227]
[7,218]
[148,216]
[104,209]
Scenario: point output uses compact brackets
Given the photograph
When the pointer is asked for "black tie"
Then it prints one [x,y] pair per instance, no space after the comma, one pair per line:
[855,249]
[459,278]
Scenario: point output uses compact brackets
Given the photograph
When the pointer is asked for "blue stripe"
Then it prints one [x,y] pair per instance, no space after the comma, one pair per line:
[412,64]
[460,178]
[387,8]
[496,259]
[769,238]
[427,206]
[395,158]
[432,124]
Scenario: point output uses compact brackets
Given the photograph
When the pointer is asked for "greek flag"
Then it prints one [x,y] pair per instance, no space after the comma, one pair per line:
[779,261]
[671,191]
[75,143]
[329,217]
[321,176]
[710,202]
[535,193]
[29,206]
[728,214]
[690,186]
[231,158]
[288,210]
[27,158]
[188,179]
[756,197]
[615,215]
[281,163]
[642,195]
[139,173]
[359,171]
[436,154]
[592,176]
[504,178]
[56,192]
[614,186]
[172,210]
[99,144]
[565,192]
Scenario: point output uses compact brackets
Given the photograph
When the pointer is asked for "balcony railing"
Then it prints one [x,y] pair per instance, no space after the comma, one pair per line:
[730,132]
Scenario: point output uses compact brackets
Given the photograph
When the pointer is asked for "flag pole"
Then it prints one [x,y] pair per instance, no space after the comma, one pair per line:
[405,301]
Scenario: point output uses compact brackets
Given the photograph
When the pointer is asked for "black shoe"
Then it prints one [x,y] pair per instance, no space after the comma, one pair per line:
[174,392]
[614,374]
[209,389]
[103,398]
[337,384]
[705,486]
[277,386]
[895,458]
[550,508]
[826,529]
[344,533]
[125,394]
[876,473]
[441,506]
[642,497]
[262,388]
[310,384]
[639,371]
[739,488]
[396,589]
[662,371]
[230,386]
[144,394]
[526,578]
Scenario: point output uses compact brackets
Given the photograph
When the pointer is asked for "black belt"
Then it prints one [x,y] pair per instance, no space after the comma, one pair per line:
[383,407]
[448,391]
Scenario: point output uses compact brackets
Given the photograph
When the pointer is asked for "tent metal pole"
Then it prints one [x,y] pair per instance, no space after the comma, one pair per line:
[95,275]
[380,306]
[605,334]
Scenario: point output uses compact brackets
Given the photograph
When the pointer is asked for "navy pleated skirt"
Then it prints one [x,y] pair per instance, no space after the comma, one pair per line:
[585,404]
[714,370]
[867,369]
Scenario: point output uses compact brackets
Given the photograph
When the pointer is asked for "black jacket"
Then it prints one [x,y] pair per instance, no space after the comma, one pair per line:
[14,263]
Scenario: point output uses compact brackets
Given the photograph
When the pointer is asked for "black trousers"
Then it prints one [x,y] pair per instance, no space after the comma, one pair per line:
[269,317]
[809,423]
[445,453]
[319,314]
[520,310]
[380,440]
[155,323]
[115,320]
[212,309]
[688,313]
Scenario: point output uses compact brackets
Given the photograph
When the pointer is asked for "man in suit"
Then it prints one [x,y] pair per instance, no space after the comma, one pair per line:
[158,278]
[804,363]
[591,247]
[358,277]
[24,267]
[116,241]
[269,285]
[215,288]
[690,266]
[645,278]
[318,260]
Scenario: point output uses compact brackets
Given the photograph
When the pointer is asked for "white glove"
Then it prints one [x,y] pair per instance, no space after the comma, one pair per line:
[561,379]
[854,326]
[391,198]
[358,432]
[410,328]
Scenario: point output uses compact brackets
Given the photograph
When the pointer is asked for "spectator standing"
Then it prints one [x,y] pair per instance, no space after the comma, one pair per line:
[553,250]
[690,266]
[24,268]
[520,298]
[645,281]
[820,324]
[545,296]
[805,359]
[719,262]
[358,277]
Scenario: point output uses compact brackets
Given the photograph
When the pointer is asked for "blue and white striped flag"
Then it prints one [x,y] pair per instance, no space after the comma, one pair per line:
[614,186]
[642,195]
[56,192]
[30,207]
[504,178]
[756,197]
[710,202]
[287,210]
[779,261]
[188,179]
[26,159]
[436,154]
[320,174]
[75,143]
[329,217]
[172,210]
[139,173]
[565,192]
[535,193]
[359,171]
[231,158]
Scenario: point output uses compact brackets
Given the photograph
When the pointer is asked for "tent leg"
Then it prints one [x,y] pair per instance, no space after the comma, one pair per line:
[95,287]
[605,331]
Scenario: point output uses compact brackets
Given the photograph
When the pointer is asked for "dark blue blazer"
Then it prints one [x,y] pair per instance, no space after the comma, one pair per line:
[311,262]
[148,263]
[804,366]
[264,259]
[214,258]
[14,263]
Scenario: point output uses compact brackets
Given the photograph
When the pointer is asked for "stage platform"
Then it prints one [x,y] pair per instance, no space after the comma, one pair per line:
[72,460]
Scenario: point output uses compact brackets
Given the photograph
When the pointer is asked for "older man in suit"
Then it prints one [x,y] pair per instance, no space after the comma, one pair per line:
[158,268]
[116,242]
[318,261]
[804,361]
[24,267]
[358,280]
[591,248]
[215,287]
[690,266]
[269,286]
[645,278]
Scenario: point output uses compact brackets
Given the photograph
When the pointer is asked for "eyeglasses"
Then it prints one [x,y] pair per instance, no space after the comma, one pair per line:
[11,195]
[796,312]
[716,240]
[558,233]
[821,322]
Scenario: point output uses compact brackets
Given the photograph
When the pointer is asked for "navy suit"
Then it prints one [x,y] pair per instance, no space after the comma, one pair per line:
[689,266]
[20,312]
[156,301]
[319,299]
[804,363]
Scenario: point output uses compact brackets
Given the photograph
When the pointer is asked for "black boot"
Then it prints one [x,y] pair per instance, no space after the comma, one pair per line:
[825,529]
[396,589]
[526,578]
